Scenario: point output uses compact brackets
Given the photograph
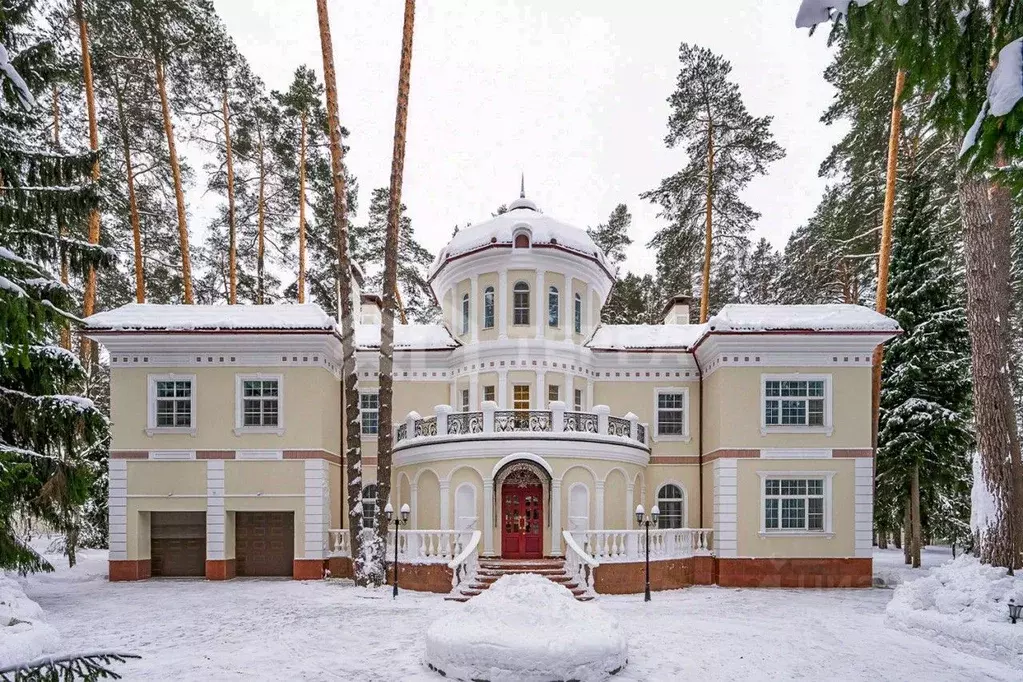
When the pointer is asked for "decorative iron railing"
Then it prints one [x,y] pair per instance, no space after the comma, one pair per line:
[538,421]
[581,422]
[464,422]
[400,434]
[641,433]
[616,426]
[426,427]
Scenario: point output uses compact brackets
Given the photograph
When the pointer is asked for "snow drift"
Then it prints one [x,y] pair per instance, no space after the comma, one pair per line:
[962,604]
[526,629]
[24,636]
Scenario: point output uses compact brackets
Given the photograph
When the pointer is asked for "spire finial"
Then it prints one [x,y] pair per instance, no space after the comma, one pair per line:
[522,187]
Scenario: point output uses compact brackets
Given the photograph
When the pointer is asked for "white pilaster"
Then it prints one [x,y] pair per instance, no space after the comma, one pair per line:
[502,389]
[589,395]
[726,497]
[215,516]
[445,505]
[474,391]
[569,397]
[587,322]
[474,319]
[598,522]
[541,304]
[317,508]
[453,399]
[630,506]
[488,517]
[502,305]
[117,508]
[541,390]
[414,503]
[864,518]
[556,517]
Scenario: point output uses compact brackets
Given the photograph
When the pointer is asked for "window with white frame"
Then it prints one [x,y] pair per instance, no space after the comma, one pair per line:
[520,397]
[172,402]
[553,392]
[489,393]
[670,415]
[671,504]
[795,402]
[794,503]
[369,506]
[578,314]
[369,407]
[578,400]
[465,400]
[258,402]
[465,313]
[520,303]
[488,308]
[553,307]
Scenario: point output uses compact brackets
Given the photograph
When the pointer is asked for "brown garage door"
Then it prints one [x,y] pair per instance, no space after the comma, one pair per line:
[178,543]
[264,543]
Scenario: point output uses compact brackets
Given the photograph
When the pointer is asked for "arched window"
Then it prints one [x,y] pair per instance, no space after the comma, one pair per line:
[578,314]
[553,307]
[671,502]
[520,303]
[465,313]
[578,507]
[522,241]
[488,308]
[369,506]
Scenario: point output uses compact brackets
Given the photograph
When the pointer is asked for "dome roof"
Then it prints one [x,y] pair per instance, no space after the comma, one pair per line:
[522,215]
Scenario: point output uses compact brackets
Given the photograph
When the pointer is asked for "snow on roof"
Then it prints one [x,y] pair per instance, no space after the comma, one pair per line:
[501,230]
[150,316]
[406,336]
[818,318]
[743,318]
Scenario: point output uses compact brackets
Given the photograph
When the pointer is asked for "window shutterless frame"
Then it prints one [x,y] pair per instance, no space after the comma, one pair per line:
[171,404]
[520,304]
[671,414]
[796,503]
[369,410]
[259,403]
[796,403]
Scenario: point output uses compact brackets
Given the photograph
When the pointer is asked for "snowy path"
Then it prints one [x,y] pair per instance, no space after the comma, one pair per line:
[274,630]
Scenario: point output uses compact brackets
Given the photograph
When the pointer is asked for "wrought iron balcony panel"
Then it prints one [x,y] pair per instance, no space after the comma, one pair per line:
[616,426]
[581,422]
[465,422]
[426,427]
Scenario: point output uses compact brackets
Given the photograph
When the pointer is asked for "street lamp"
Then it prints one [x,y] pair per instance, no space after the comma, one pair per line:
[389,511]
[644,520]
[1015,610]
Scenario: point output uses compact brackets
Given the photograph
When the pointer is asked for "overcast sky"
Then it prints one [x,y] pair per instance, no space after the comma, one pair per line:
[570,93]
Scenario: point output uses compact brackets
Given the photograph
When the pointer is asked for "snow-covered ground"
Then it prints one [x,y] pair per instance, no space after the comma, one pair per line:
[890,568]
[281,629]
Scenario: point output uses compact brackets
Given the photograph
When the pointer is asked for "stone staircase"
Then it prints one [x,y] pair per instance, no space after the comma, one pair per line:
[491,569]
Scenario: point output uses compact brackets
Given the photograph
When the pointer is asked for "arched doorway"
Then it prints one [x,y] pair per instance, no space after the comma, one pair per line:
[522,517]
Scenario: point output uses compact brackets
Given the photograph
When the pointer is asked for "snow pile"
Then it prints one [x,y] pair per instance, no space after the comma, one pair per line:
[963,604]
[406,336]
[626,336]
[1004,89]
[813,12]
[212,317]
[23,634]
[526,628]
[821,318]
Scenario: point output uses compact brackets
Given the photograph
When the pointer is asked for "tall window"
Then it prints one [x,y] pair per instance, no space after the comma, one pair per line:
[465,400]
[489,393]
[794,504]
[578,314]
[369,506]
[488,308]
[671,412]
[465,313]
[794,402]
[520,397]
[670,500]
[553,392]
[369,404]
[261,402]
[553,304]
[174,403]
[578,400]
[520,303]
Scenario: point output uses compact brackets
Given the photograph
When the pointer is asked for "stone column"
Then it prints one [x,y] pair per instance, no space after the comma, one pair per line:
[630,505]
[442,412]
[541,304]
[556,517]
[589,394]
[488,517]
[445,505]
[502,389]
[488,407]
[414,503]
[474,295]
[541,390]
[603,411]
[502,305]
[598,521]
[557,416]
[569,397]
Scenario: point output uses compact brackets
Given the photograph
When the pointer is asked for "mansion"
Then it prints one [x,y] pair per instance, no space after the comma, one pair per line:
[526,430]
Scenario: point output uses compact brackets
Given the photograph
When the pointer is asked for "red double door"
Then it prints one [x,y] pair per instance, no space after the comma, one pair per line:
[522,522]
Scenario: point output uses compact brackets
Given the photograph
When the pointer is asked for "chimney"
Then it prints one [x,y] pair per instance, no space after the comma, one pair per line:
[372,307]
[676,310]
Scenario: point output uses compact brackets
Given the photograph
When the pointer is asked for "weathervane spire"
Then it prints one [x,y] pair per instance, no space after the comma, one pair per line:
[522,187]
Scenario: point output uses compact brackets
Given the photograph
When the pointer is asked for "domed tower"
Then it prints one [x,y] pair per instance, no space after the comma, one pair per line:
[521,275]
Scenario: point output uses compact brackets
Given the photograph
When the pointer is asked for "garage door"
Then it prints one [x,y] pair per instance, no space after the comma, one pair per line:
[264,543]
[178,543]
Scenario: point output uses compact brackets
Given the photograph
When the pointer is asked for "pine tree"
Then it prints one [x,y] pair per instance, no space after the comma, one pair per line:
[633,300]
[727,147]
[48,434]
[758,280]
[613,236]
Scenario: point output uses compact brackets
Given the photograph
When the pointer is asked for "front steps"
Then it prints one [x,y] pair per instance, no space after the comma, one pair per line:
[491,569]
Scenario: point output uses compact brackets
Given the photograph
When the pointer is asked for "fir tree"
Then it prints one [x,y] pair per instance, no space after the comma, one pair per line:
[613,236]
[633,300]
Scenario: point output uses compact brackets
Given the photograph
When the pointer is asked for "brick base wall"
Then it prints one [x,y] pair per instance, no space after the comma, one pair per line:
[340,567]
[705,570]
[220,569]
[422,577]
[308,569]
[795,572]
[132,569]
[630,578]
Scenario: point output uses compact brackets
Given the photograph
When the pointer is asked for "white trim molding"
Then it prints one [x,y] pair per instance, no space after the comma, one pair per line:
[726,507]
[686,435]
[172,455]
[795,453]
[151,381]
[864,501]
[829,423]
[117,508]
[826,476]
[216,517]
[258,455]
[239,417]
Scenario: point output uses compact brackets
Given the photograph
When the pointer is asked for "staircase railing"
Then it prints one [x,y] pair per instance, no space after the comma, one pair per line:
[621,546]
[578,564]
[463,567]
[340,542]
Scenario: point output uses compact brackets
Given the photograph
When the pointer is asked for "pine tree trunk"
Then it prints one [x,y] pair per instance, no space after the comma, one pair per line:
[884,253]
[390,284]
[179,192]
[882,539]
[916,533]
[301,212]
[89,304]
[986,210]
[133,206]
[232,253]
[65,330]
[261,227]
[350,422]
[907,526]
[708,237]
[897,537]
